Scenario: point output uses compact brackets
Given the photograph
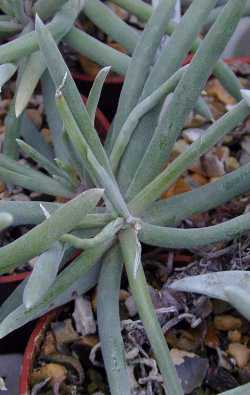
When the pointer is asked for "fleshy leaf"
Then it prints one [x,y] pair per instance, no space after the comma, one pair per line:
[231,286]
[95,93]
[42,237]
[14,315]
[110,335]
[43,275]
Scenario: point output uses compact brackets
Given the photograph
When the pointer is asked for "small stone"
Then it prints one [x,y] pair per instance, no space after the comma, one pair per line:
[244,158]
[2,385]
[199,180]
[64,332]
[212,339]
[180,186]
[192,134]
[213,166]
[194,121]
[214,88]
[191,369]
[47,135]
[131,306]
[20,197]
[222,152]
[84,317]
[180,147]
[231,163]
[228,139]
[240,353]
[197,168]
[227,322]
[123,295]
[234,336]
[89,341]
[57,373]
[49,344]
[35,195]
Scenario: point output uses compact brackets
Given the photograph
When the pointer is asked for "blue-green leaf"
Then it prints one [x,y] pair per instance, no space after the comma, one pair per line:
[43,275]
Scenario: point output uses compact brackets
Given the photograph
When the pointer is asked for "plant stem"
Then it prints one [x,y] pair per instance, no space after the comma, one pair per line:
[147,313]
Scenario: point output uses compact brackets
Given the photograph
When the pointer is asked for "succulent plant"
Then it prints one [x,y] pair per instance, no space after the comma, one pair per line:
[123,180]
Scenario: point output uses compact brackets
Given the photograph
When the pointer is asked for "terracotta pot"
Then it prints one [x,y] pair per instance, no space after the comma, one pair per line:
[238,59]
[110,94]
[233,60]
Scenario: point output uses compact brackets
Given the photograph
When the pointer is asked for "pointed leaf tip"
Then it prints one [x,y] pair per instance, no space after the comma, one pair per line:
[107,68]
[18,110]
[245,93]
[238,297]
[6,220]
[97,192]
[38,22]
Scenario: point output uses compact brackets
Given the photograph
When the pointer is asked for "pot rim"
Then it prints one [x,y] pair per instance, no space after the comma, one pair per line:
[13,278]
[111,79]
[32,349]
